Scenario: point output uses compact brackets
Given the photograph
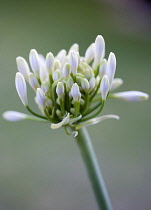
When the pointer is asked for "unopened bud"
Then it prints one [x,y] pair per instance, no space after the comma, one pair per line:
[50,62]
[14,116]
[75,92]
[104,87]
[66,70]
[92,83]
[33,81]
[132,96]
[57,64]
[23,67]
[111,67]
[56,75]
[102,69]
[60,90]
[89,54]
[73,61]
[40,97]
[21,88]
[34,62]
[74,47]
[85,84]
[116,83]
[62,55]
[99,49]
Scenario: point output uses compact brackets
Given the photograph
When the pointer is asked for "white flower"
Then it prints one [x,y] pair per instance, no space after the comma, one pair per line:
[133,96]
[21,88]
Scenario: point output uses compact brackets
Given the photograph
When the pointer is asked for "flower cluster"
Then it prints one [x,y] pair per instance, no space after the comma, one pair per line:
[70,90]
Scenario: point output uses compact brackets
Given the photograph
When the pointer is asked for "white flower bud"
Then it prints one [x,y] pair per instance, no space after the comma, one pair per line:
[40,97]
[133,96]
[92,83]
[23,67]
[75,92]
[62,55]
[45,86]
[50,62]
[48,102]
[60,90]
[34,61]
[104,87]
[33,81]
[21,88]
[43,73]
[85,84]
[102,69]
[111,67]
[14,116]
[74,47]
[73,61]
[57,64]
[89,54]
[66,70]
[89,73]
[56,75]
[99,49]
[116,83]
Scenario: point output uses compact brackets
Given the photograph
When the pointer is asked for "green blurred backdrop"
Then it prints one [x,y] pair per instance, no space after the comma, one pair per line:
[41,169]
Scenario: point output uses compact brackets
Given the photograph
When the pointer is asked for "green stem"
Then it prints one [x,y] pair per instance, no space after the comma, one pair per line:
[37,115]
[93,170]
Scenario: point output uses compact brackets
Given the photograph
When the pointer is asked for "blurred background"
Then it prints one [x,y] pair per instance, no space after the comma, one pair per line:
[41,169]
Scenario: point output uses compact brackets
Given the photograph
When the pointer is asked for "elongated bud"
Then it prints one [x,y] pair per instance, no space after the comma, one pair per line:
[48,102]
[102,69]
[40,97]
[14,116]
[23,67]
[62,55]
[89,54]
[56,75]
[73,61]
[50,62]
[60,90]
[43,73]
[75,92]
[111,67]
[133,96]
[34,61]
[33,81]
[66,70]
[85,84]
[92,83]
[57,64]
[74,47]
[99,49]
[89,73]
[21,88]
[104,87]
[116,83]
[45,86]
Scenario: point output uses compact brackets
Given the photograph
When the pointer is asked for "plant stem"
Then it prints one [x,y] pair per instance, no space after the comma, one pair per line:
[92,166]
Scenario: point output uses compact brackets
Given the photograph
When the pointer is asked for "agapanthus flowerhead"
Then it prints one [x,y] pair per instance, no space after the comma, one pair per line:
[70,90]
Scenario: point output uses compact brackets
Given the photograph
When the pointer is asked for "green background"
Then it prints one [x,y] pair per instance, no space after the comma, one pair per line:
[40,168]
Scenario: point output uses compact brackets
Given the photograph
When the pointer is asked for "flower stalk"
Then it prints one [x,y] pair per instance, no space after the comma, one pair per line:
[90,160]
